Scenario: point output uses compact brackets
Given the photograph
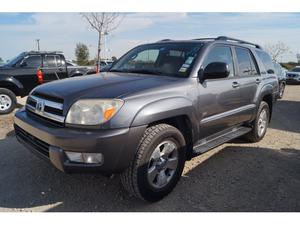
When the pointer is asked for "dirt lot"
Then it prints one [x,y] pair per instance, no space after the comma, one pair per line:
[233,177]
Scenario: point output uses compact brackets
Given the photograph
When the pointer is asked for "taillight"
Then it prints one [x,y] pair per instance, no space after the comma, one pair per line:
[39,75]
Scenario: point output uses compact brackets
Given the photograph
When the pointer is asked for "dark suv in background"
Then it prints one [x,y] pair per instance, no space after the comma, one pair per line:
[159,105]
[29,69]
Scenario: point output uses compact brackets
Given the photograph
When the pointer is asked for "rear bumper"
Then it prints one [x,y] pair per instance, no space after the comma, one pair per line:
[118,146]
[293,80]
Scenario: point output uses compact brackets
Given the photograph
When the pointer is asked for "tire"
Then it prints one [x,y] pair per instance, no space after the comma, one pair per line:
[8,101]
[281,90]
[140,179]
[257,134]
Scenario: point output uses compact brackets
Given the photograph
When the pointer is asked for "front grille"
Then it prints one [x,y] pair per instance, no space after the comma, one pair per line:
[36,143]
[45,107]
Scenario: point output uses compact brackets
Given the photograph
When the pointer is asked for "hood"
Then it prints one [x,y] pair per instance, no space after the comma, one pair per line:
[104,85]
[6,69]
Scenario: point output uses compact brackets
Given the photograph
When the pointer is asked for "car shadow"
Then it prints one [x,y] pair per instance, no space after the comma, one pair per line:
[234,179]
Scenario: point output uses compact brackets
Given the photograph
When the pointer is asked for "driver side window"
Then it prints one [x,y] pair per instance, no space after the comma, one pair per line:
[33,61]
[221,54]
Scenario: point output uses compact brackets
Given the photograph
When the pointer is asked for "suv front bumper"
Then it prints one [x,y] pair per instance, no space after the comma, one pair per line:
[118,146]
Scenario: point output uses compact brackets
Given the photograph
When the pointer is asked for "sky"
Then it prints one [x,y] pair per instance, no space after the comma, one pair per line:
[61,31]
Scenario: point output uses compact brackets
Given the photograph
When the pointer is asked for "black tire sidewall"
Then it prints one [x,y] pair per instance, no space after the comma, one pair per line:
[148,192]
[13,98]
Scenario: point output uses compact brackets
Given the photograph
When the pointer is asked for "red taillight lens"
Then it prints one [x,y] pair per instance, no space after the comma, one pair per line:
[39,75]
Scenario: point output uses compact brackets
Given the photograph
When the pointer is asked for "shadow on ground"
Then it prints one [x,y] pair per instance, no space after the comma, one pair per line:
[235,179]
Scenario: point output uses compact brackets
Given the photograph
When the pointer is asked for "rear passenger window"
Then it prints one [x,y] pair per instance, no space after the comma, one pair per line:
[50,61]
[220,54]
[59,62]
[267,61]
[246,63]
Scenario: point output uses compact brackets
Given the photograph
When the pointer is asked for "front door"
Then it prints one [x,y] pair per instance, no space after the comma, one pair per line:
[218,98]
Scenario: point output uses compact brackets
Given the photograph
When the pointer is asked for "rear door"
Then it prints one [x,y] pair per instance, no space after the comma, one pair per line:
[26,71]
[218,98]
[248,80]
[54,68]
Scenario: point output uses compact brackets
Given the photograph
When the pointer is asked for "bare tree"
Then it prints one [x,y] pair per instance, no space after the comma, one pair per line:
[103,23]
[276,50]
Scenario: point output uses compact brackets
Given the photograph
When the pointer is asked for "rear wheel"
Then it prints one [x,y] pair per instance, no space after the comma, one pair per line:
[260,124]
[8,101]
[158,164]
[281,90]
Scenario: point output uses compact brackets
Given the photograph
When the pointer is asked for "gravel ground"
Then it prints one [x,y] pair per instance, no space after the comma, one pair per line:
[236,176]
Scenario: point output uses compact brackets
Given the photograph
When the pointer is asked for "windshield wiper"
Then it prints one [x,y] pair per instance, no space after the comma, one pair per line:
[143,71]
[120,71]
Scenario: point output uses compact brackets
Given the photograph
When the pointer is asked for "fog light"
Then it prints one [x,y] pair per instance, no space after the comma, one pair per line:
[90,158]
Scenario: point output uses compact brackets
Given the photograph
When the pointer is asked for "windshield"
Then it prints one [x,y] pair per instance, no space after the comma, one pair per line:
[170,59]
[296,69]
[15,60]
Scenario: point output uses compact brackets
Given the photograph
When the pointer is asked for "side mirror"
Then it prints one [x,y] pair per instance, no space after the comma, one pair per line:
[214,70]
[23,64]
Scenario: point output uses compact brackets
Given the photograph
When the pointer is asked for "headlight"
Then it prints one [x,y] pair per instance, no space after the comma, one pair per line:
[93,111]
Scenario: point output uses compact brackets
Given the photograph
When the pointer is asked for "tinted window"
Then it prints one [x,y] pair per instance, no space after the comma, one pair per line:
[59,60]
[33,61]
[171,59]
[245,62]
[267,61]
[220,54]
[296,69]
[50,61]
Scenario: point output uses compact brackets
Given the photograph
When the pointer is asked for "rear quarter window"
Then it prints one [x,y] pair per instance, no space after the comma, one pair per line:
[266,59]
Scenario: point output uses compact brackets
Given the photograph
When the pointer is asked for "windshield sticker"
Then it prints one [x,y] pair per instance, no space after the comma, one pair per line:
[189,60]
[183,69]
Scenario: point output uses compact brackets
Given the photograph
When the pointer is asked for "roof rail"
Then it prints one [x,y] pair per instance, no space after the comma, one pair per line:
[224,38]
[164,40]
[204,39]
[45,52]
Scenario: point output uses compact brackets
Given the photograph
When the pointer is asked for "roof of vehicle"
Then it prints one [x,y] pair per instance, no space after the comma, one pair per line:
[43,52]
[222,39]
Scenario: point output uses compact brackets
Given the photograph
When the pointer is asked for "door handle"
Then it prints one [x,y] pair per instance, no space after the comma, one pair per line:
[235,84]
[258,81]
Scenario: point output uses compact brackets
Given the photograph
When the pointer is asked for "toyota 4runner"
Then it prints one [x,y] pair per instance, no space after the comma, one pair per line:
[159,105]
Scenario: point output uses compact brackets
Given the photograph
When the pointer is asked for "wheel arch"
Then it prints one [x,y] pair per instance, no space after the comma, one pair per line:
[13,85]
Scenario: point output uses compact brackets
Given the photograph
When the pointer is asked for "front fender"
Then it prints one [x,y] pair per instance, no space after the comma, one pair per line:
[163,109]
[12,84]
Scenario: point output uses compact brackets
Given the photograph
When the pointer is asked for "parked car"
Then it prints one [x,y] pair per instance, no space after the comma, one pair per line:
[281,75]
[293,76]
[160,105]
[29,69]
[77,70]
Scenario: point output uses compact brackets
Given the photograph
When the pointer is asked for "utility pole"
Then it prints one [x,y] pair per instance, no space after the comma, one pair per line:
[38,44]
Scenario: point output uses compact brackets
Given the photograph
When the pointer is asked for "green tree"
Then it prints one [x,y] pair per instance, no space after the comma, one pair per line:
[82,54]
[1,60]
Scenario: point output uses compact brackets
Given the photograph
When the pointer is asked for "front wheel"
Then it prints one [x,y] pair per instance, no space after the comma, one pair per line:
[8,101]
[158,163]
[260,124]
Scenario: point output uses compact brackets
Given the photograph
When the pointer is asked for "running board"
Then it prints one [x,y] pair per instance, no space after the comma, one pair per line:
[207,144]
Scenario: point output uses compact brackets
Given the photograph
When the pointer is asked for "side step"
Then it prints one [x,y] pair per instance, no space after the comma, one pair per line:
[208,144]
